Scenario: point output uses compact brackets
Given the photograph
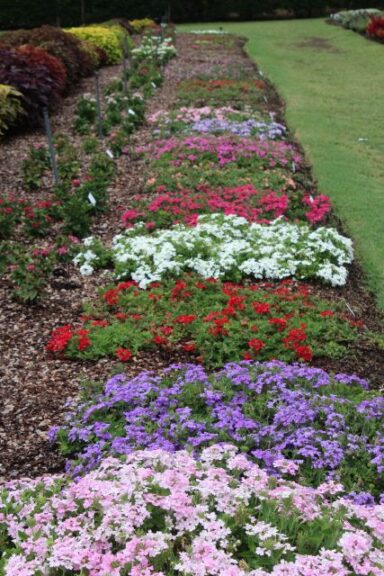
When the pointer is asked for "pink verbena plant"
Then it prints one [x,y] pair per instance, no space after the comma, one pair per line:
[155,513]
[184,206]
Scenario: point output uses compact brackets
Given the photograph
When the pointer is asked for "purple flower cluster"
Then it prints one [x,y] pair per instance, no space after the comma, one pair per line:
[270,130]
[328,427]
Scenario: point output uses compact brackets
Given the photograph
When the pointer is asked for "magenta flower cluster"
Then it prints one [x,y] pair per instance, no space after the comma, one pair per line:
[223,150]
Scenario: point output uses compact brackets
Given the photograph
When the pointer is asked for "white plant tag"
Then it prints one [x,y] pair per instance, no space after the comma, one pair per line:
[109,153]
[350,309]
[92,199]
[131,112]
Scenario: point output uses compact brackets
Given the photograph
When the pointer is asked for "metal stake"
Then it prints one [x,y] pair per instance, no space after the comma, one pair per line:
[98,107]
[51,147]
[125,68]
[125,84]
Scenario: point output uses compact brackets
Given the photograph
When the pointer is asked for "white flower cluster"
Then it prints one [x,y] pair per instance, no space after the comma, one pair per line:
[228,247]
[89,97]
[154,46]
[210,31]
[87,257]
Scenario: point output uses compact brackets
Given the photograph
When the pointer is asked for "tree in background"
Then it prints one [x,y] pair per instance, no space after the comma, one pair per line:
[27,14]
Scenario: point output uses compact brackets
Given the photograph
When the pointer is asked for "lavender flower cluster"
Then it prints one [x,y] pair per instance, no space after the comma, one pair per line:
[291,419]
[269,130]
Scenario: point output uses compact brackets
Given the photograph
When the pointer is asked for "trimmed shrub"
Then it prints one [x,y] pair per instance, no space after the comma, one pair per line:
[98,56]
[56,68]
[11,108]
[32,80]
[139,25]
[108,39]
[58,43]
[352,18]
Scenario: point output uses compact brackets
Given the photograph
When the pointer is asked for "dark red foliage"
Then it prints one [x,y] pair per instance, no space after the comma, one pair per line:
[38,56]
[34,81]
[375,28]
[102,56]
[58,43]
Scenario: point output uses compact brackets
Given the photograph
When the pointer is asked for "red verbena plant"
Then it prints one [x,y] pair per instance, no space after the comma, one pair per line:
[213,321]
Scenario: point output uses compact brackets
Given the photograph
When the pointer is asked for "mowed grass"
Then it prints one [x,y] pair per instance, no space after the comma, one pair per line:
[333,84]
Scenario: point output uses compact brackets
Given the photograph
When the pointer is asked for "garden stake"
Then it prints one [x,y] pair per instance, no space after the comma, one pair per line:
[98,106]
[163,26]
[125,68]
[51,147]
[125,86]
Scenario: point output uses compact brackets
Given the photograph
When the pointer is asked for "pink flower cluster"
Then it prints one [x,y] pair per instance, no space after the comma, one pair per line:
[157,513]
[223,149]
[172,207]
[191,115]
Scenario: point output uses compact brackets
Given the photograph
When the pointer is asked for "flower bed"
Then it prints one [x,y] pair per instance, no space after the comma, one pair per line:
[297,489]
[221,162]
[184,206]
[349,18]
[157,513]
[215,322]
[292,420]
[226,247]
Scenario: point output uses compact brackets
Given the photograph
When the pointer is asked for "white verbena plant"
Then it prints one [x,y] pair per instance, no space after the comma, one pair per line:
[226,247]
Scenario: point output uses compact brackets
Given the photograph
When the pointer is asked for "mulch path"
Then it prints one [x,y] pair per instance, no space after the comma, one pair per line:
[34,387]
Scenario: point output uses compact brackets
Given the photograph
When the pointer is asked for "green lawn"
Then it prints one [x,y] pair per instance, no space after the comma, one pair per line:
[333,84]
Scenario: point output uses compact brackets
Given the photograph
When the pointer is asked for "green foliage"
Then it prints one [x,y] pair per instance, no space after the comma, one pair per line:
[85,114]
[11,109]
[109,39]
[35,166]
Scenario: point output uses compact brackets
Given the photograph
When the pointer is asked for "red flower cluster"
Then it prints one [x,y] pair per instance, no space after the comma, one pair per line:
[63,335]
[60,338]
[294,342]
[123,354]
[375,28]
[213,320]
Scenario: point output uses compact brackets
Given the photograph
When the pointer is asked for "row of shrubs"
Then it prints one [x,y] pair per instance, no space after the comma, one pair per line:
[39,66]
[368,21]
